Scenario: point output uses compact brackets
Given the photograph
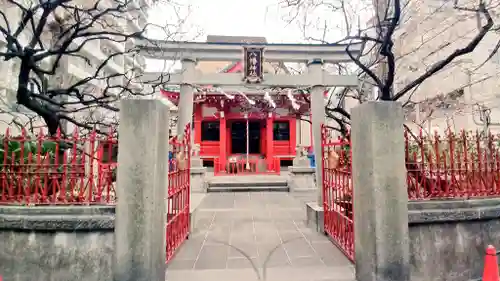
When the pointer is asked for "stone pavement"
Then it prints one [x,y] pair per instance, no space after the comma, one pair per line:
[256,236]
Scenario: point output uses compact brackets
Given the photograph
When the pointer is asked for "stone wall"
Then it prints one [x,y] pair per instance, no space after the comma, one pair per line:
[56,243]
[448,238]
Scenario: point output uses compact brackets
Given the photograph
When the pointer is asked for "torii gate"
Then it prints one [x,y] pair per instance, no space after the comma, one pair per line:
[253,56]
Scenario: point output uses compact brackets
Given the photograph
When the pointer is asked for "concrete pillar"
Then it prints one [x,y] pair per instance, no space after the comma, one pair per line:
[380,195]
[318,117]
[141,186]
[185,113]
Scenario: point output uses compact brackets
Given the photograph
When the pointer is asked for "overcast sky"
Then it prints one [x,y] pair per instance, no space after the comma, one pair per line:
[233,17]
[267,18]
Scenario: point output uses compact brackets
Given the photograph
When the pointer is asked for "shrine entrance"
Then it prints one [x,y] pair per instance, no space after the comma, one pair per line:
[257,91]
[245,137]
[257,86]
[245,107]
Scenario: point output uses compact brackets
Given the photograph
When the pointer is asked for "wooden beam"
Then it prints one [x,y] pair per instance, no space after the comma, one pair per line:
[270,80]
[169,50]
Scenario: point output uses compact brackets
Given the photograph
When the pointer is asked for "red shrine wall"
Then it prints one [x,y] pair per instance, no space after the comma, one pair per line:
[222,147]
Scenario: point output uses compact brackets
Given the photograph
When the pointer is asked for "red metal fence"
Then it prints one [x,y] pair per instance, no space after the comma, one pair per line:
[464,165]
[337,191]
[59,170]
[240,166]
[178,192]
[56,169]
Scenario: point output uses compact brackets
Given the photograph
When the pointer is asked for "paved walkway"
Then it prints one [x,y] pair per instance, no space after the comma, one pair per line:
[256,236]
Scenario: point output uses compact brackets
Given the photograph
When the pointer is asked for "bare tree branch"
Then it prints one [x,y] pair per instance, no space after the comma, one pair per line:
[377,67]
[97,38]
[469,48]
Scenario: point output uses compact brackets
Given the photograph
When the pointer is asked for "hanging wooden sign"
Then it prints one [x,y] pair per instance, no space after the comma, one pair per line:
[333,159]
[253,59]
[182,161]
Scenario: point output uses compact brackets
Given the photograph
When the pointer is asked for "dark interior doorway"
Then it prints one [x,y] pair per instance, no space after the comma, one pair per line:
[239,137]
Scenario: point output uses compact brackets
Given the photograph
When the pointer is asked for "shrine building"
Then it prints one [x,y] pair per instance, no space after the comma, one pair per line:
[244,107]
[261,126]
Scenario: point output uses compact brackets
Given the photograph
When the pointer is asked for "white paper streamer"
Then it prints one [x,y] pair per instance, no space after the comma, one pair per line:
[269,99]
[292,100]
[251,102]
[229,96]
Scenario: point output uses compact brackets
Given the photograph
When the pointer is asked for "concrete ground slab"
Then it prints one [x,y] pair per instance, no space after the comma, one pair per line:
[256,236]
[195,200]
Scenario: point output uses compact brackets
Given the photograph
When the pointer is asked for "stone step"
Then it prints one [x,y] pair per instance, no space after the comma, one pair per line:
[255,179]
[248,183]
[248,187]
[236,183]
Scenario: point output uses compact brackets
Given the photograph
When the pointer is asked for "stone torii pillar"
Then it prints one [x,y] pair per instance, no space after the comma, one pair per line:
[185,107]
[185,110]
[315,68]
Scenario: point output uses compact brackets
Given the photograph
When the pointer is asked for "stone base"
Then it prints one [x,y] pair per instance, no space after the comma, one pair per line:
[301,179]
[315,217]
[196,162]
[301,162]
[198,183]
